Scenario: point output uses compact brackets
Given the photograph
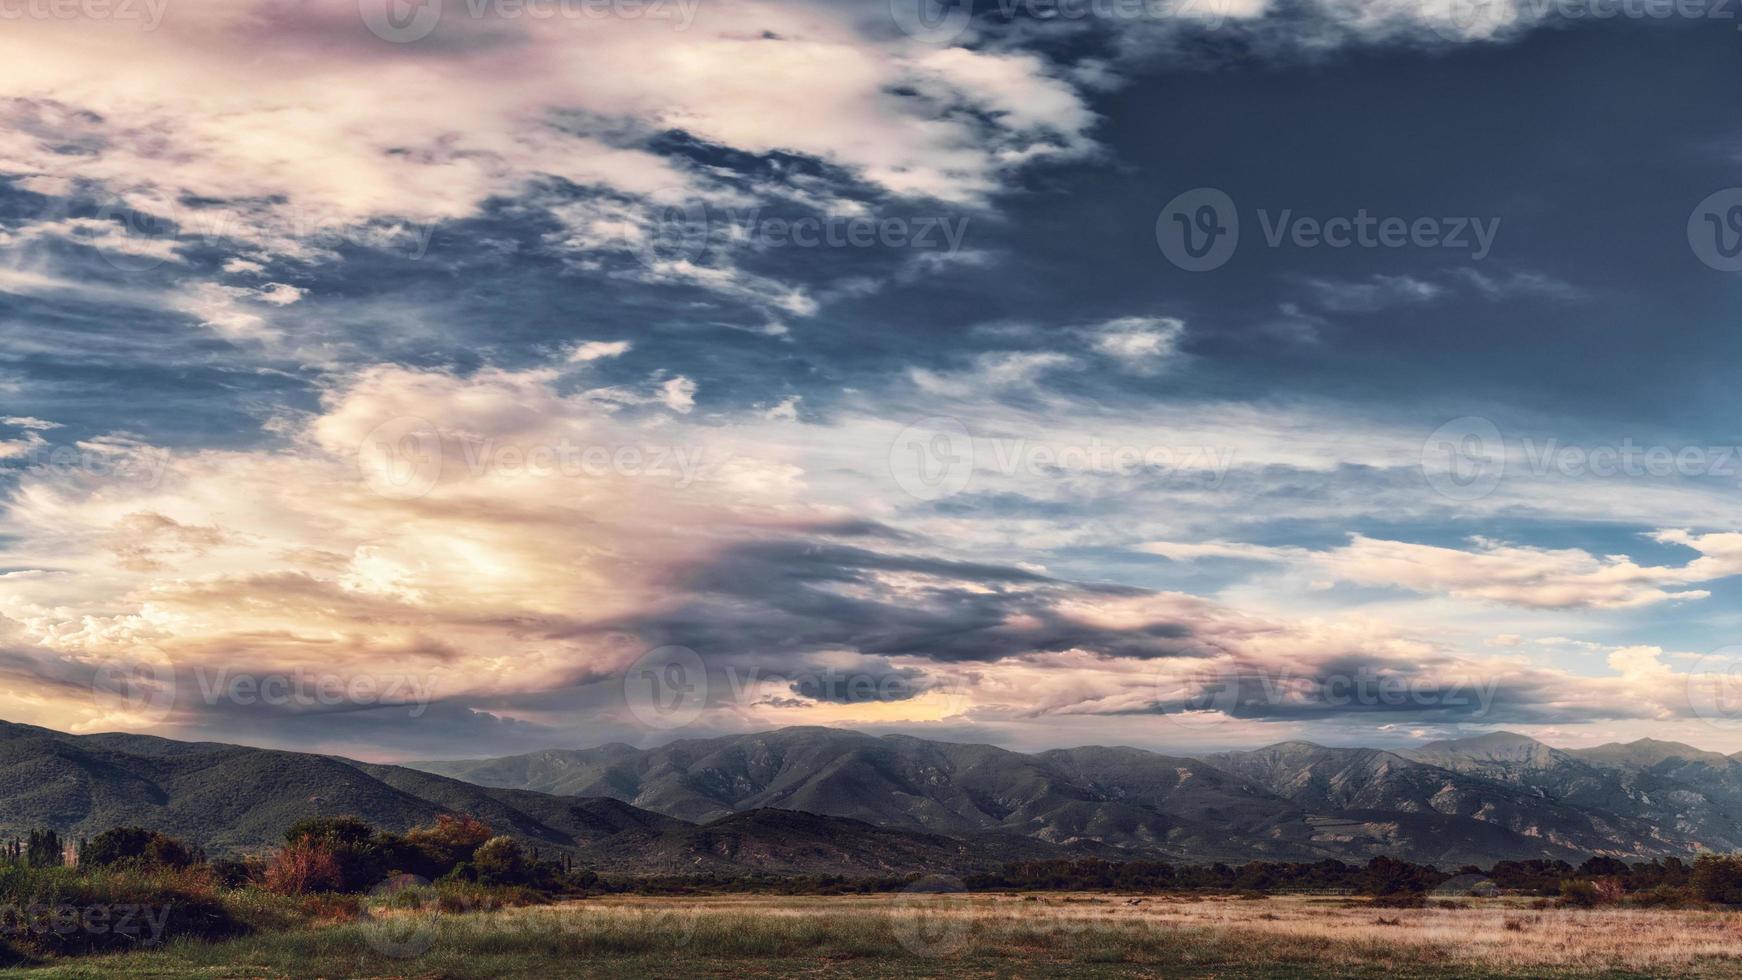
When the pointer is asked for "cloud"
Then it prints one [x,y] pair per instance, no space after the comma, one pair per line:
[1494,571]
[1141,345]
[497,539]
[1373,294]
[594,350]
[678,394]
[497,107]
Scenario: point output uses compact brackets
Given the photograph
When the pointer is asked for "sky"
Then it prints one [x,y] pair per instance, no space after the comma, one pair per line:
[469,377]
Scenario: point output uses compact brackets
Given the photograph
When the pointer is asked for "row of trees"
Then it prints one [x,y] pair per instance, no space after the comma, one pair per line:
[1598,880]
[327,854]
[39,849]
[347,854]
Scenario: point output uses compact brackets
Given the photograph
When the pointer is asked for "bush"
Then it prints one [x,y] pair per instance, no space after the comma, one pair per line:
[1718,879]
[449,842]
[304,867]
[63,912]
[232,873]
[1579,894]
[1664,897]
[500,861]
[360,852]
[136,846]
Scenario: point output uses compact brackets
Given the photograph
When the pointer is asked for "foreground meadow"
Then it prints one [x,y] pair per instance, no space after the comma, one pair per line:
[958,935]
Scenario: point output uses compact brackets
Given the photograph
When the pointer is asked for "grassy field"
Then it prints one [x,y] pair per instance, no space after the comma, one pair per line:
[1071,935]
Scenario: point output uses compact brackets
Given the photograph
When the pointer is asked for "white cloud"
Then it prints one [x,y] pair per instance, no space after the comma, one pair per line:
[594,350]
[1141,345]
[678,394]
[1494,571]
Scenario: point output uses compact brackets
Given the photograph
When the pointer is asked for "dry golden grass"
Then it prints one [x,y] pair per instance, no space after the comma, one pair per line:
[1079,935]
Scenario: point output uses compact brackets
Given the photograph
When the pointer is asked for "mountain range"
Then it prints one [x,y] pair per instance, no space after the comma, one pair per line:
[1474,800]
[819,800]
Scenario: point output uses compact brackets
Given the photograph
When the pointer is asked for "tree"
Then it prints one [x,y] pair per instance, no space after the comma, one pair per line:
[500,861]
[136,845]
[1718,878]
[44,849]
[450,841]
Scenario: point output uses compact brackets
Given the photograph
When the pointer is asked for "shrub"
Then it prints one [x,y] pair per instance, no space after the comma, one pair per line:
[62,912]
[136,846]
[232,873]
[1718,878]
[304,867]
[448,842]
[500,861]
[1664,897]
[1578,894]
[360,851]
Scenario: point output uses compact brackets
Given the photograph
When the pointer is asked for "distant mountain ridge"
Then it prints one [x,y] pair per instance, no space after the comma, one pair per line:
[828,801]
[1467,801]
[230,798]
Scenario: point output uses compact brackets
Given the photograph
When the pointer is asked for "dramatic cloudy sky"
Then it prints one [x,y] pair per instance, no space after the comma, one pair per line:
[468,377]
